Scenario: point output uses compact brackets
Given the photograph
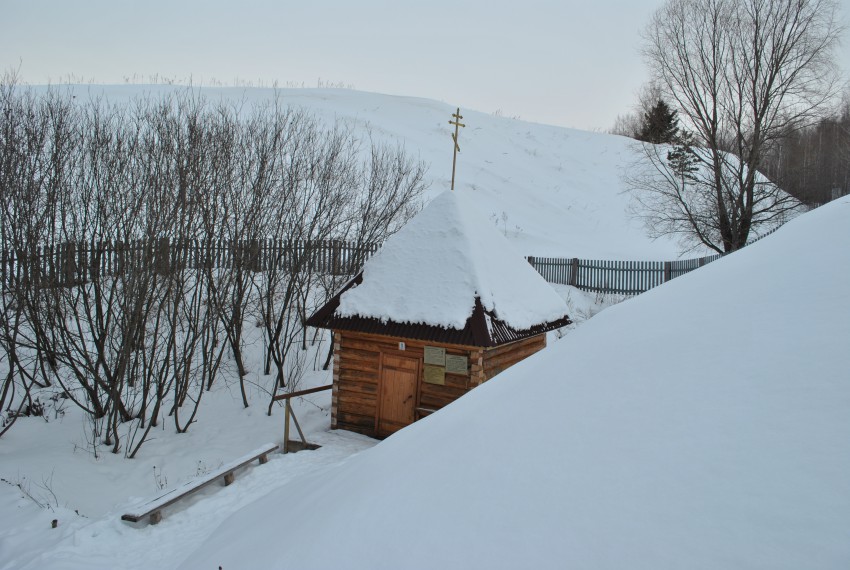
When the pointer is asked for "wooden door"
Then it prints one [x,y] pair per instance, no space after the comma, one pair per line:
[399,377]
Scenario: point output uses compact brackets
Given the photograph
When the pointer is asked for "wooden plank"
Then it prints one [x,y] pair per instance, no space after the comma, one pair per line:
[357,420]
[391,343]
[357,388]
[302,392]
[438,393]
[349,400]
[360,407]
[512,356]
[359,365]
[457,381]
[353,375]
[154,506]
[356,354]
[399,362]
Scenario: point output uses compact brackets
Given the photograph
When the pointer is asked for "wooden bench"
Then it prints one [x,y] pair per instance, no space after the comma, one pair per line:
[153,508]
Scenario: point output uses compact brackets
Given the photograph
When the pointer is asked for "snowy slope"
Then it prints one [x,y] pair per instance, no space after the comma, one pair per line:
[434,268]
[701,425]
[553,191]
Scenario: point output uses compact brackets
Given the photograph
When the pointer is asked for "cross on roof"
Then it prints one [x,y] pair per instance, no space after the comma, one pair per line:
[457,117]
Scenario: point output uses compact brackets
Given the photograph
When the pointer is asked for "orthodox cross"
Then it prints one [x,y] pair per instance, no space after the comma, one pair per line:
[457,117]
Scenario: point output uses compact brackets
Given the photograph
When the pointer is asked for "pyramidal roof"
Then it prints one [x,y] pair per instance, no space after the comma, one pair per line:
[441,268]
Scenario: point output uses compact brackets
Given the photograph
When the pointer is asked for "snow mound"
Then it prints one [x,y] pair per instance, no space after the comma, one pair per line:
[701,425]
[433,269]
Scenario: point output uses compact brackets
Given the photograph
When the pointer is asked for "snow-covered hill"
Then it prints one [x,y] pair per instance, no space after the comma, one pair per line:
[702,425]
[552,190]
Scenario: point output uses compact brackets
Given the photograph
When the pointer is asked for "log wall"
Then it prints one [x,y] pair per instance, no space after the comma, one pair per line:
[501,358]
[355,404]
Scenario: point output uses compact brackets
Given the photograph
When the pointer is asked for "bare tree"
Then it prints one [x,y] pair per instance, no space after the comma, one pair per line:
[741,74]
[24,150]
[137,239]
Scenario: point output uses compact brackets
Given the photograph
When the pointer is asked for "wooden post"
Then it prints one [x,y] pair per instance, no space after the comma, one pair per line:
[162,257]
[69,263]
[254,255]
[298,427]
[337,347]
[667,271]
[335,254]
[286,427]
[574,272]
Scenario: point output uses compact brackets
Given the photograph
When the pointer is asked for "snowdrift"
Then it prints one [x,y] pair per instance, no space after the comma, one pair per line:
[701,425]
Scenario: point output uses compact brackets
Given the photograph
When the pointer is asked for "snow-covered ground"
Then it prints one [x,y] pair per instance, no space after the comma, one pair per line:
[49,471]
[700,425]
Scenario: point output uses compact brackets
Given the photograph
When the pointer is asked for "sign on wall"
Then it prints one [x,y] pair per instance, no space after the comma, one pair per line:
[457,364]
[434,374]
[435,355]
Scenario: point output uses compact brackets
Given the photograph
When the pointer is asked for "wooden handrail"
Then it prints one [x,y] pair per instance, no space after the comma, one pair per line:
[302,392]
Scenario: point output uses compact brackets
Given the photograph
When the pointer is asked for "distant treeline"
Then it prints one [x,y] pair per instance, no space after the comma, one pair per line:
[813,164]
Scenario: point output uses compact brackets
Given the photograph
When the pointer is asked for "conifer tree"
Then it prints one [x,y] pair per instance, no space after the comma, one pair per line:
[660,124]
[682,158]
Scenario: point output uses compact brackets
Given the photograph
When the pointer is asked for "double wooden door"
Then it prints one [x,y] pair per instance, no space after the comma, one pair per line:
[398,385]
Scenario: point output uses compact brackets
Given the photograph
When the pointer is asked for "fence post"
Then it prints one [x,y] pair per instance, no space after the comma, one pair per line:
[287,411]
[162,261]
[574,272]
[335,251]
[667,271]
[69,262]
[254,255]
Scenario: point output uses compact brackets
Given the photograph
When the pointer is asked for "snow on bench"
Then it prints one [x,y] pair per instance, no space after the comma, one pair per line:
[153,507]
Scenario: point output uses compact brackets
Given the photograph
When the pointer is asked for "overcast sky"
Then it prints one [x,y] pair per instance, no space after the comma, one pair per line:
[569,62]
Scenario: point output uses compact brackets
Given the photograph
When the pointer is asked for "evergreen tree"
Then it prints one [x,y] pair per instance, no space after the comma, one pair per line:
[682,159]
[660,124]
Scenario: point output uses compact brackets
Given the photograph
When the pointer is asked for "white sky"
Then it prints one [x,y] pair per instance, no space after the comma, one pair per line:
[568,62]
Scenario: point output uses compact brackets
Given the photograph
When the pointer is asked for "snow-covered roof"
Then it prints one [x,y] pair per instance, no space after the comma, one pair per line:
[435,268]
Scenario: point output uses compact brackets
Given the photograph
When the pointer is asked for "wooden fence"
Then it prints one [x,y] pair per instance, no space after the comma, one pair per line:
[621,277]
[69,264]
[74,263]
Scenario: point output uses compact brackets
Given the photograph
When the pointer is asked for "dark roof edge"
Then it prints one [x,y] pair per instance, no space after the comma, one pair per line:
[476,331]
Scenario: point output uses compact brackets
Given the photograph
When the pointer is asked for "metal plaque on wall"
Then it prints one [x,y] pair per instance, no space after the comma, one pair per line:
[435,355]
[435,375]
[457,364]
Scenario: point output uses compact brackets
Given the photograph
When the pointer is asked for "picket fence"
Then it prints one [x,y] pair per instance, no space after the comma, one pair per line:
[619,277]
[73,263]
